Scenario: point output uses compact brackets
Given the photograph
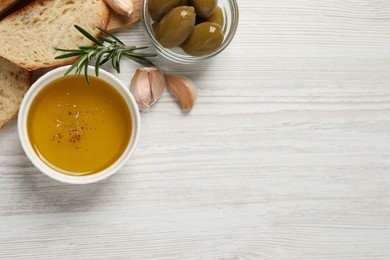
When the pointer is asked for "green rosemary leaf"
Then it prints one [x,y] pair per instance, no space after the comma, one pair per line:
[111,35]
[98,54]
[87,47]
[97,64]
[86,72]
[129,48]
[144,55]
[81,62]
[114,62]
[90,55]
[68,55]
[106,39]
[71,68]
[68,50]
[104,61]
[118,60]
[88,35]
[143,62]
[141,48]
[111,54]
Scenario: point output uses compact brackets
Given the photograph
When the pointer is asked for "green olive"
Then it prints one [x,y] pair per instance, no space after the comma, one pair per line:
[175,27]
[204,8]
[159,8]
[205,38]
[217,17]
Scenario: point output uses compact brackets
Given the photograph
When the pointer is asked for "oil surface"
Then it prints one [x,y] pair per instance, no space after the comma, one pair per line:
[79,129]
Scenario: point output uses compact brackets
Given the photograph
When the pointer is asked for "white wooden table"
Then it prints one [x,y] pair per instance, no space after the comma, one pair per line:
[285,156]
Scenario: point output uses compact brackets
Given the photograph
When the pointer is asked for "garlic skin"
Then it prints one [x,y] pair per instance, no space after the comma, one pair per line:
[157,83]
[147,86]
[184,89]
[122,7]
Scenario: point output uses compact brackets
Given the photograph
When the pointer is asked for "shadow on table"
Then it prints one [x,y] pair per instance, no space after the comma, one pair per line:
[44,195]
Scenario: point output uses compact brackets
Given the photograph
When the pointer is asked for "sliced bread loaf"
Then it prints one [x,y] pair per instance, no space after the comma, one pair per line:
[29,36]
[14,83]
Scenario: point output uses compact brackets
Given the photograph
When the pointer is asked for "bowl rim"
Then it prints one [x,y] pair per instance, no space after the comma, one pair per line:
[188,59]
[40,84]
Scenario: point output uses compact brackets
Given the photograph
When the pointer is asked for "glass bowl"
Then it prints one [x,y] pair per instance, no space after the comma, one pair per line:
[231,15]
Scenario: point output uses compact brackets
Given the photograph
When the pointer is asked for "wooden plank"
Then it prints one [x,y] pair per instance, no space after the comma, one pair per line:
[286,154]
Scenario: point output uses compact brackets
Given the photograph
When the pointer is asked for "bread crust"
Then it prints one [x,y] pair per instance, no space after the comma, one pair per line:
[6,4]
[104,14]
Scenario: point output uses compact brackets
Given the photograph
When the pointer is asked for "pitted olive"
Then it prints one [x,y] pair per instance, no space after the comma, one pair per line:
[175,27]
[205,38]
[204,8]
[217,17]
[159,8]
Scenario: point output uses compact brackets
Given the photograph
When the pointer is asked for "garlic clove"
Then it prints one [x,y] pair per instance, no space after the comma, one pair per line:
[140,88]
[157,83]
[122,7]
[184,89]
[147,86]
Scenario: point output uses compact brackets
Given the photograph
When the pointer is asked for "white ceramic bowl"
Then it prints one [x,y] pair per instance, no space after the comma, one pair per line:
[34,158]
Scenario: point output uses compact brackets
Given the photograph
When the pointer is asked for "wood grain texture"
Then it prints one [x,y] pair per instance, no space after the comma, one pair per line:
[286,154]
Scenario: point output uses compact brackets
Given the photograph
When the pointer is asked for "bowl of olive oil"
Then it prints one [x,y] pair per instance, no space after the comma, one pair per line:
[78,132]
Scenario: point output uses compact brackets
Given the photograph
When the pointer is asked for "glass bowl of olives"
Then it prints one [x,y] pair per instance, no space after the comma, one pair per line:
[188,31]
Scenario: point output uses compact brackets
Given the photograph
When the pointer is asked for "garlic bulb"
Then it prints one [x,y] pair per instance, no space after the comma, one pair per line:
[184,89]
[147,86]
[122,7]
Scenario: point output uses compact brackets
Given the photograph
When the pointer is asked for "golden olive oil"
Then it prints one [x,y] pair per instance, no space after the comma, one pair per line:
[79,129]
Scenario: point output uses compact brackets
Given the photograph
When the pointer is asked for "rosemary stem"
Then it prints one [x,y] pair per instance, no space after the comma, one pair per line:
[107,47]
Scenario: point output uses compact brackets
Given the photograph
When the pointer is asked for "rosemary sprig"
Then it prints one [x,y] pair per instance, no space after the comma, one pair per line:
[114,50]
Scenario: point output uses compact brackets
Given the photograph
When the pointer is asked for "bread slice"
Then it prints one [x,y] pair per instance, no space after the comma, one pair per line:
[29,36]
[14,82]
